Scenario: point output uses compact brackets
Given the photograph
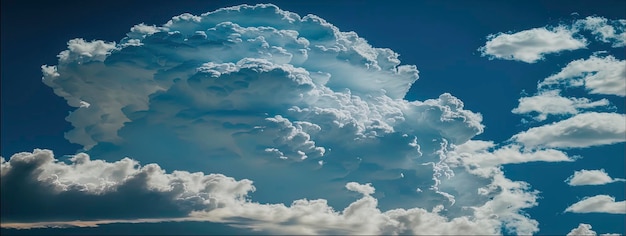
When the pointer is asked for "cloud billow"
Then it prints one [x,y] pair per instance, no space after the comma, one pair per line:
[293,103]
[286,90]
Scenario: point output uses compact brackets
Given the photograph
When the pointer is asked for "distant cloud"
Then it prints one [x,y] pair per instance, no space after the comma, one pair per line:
[552,103]
[531,45]
[598,204]
[599,75]
[591,177]
[608,31]
[480,154]
[583,229]
[582,130]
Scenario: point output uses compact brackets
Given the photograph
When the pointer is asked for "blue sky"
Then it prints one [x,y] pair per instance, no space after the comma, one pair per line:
[512,99]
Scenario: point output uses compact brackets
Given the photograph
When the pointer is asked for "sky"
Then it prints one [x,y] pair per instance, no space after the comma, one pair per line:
[325,117]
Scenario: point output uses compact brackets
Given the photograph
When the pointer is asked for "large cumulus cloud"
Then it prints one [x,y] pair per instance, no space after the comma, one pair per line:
[599,75]
[293,103]
[224,90]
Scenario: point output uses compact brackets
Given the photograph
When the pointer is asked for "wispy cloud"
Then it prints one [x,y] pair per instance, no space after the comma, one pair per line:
[552,103]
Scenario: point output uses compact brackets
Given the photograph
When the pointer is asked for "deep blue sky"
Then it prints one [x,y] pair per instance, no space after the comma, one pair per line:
[440,37]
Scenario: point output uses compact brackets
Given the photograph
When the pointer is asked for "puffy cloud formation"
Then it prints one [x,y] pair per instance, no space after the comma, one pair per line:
[585,229]
[254,85]
[599,75]
[218,60]
[608,31]
[531,45]
[591,177]
[39,187]
[552,103]
[583,130]
[582,229]
[598,204]
[293,103]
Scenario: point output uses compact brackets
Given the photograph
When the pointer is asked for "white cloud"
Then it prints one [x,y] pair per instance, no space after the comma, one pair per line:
[531,45]
[481,154]
[101,190]
[116,192]
[365,189]
[552,103]
[583,229]
[583,130]
[591,177]
[598,204]
[599,75]
[81,51]
[254,92]
[608,31]
[257,87]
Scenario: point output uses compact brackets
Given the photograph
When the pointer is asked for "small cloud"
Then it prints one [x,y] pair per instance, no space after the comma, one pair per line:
[607,31]
[582,130]
[583,229]
[531,45]
[598,204]
[552,103]
[365,189]
[600,75]
[591,177]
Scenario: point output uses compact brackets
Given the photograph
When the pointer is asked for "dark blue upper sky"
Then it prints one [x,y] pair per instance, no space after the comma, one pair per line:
[440,37]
